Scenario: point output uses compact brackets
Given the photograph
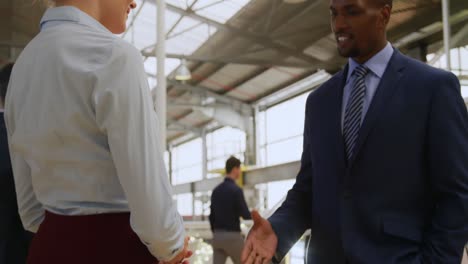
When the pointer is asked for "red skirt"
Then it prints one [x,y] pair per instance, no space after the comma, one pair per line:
[88,239]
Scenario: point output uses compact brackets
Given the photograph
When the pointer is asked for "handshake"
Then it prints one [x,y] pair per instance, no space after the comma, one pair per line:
[259,248]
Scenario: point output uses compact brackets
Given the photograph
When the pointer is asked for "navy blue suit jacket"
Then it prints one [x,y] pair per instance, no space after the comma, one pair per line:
[403,198]
[14,240]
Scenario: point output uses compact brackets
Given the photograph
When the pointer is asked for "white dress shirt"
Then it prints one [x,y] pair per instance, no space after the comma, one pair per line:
[83,131]
[377,66]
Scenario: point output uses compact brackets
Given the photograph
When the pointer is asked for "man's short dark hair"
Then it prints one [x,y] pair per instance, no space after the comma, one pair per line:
[232,163]
[5,74]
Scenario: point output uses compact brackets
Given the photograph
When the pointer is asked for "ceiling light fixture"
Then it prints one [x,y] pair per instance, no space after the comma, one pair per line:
[183,72]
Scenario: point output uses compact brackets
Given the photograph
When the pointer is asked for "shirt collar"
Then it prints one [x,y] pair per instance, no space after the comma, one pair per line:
[377,64]
[70,14]
[228,179]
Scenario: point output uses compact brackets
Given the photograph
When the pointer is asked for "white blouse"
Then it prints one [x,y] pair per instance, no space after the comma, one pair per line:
[83,131]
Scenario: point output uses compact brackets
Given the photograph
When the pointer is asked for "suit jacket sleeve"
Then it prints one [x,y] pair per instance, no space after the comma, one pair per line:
[448,169]
[211,217]
[292,219]
[242,205]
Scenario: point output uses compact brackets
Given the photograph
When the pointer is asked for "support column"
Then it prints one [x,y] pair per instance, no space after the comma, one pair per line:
[204,155]
[251,140]
[258,141]
[459,60]
[192,191]
[169,150]
[204,171]
[161,93]
[446,22]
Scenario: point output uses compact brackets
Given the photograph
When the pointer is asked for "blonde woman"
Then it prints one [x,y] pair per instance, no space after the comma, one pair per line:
[89,173]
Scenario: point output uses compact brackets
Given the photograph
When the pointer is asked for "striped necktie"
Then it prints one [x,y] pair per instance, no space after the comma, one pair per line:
[353,113]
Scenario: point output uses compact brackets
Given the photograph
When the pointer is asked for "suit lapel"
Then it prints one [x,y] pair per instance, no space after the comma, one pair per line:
[387,87]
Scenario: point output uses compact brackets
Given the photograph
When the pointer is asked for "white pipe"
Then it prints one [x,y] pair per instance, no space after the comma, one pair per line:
[204,155]
[446,22]
[161,94]
[455,41]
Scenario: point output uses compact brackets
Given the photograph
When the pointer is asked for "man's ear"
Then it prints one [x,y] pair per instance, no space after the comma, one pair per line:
[385,14]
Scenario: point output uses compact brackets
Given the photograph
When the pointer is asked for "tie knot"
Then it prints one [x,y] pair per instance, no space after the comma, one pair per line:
[361,71]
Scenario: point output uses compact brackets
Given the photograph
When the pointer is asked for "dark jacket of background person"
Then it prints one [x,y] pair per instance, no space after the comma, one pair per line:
[227,206]
[14,240]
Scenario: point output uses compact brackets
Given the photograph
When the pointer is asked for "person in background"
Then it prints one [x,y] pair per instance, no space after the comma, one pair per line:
[89,172]
[227,206]
[14,240]
[384,169]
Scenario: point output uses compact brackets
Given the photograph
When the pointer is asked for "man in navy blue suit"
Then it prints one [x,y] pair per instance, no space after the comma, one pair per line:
[14,240]
[384,169]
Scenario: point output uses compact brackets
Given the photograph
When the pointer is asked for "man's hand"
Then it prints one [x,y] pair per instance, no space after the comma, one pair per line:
[182,257]
[260,246]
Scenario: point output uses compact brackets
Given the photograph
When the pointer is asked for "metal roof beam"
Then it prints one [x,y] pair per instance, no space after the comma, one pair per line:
[297,17]
[256,38]
[259,62]
[182,127]
[454,42]
[235,103]
[429,30]
[180,104]
[252,177]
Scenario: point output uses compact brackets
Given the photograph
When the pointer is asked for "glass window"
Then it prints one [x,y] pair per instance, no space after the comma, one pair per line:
[184,204]
[297,252]
[464,59]
[276,192]
[286,150]
[464,90]
[280,131]
[187,162]
[287,119]
[184,35]
[166,160]
[220,11]
[221,144]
